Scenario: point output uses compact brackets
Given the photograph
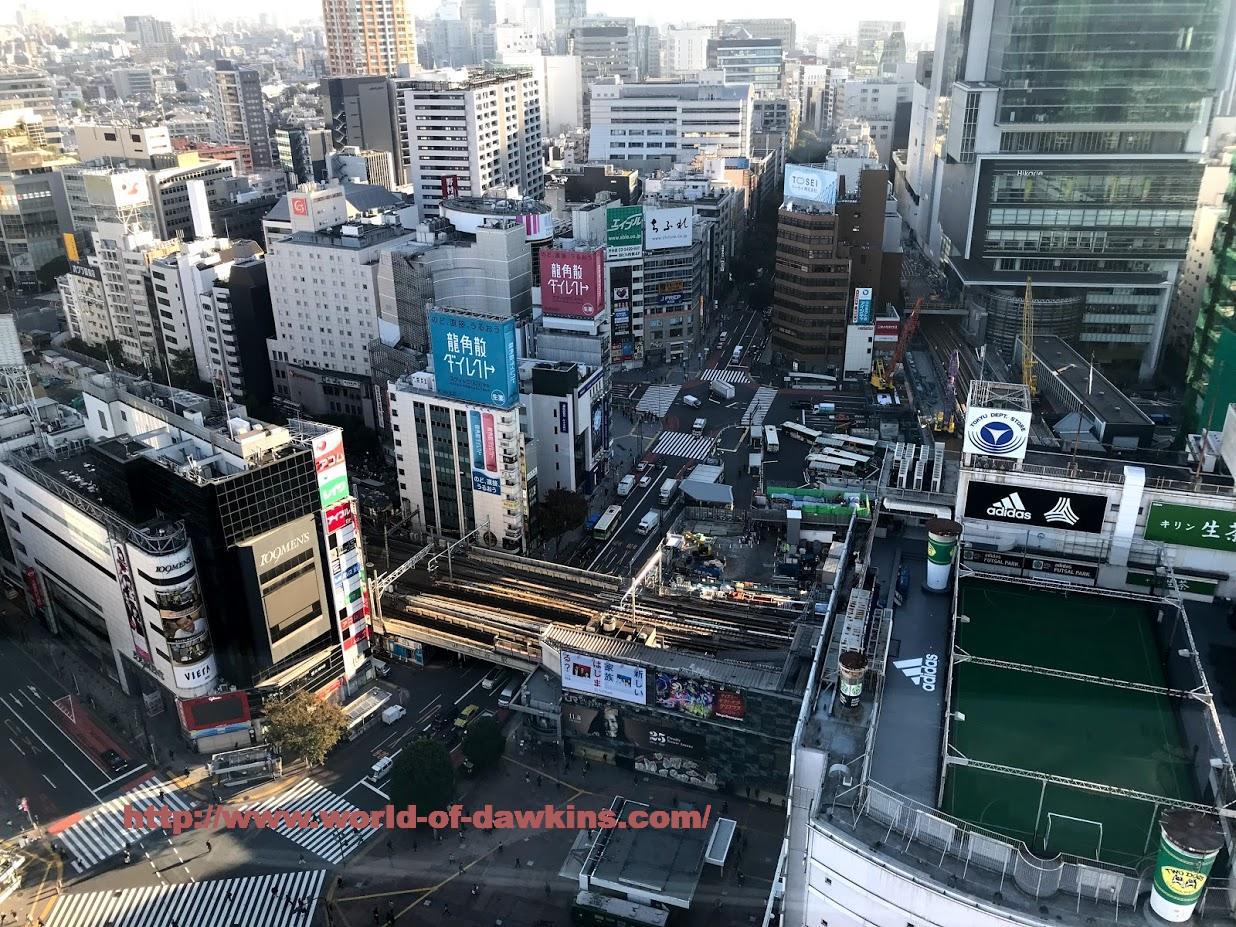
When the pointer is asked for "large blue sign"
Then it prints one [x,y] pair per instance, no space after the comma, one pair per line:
[474,358]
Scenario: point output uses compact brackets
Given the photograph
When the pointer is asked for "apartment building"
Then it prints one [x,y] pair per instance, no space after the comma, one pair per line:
[669,120]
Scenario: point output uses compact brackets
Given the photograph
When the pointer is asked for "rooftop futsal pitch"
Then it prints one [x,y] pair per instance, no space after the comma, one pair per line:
[1065,732]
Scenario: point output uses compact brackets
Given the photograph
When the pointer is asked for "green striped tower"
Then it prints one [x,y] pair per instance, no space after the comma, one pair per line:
[942,535]
[1189,841]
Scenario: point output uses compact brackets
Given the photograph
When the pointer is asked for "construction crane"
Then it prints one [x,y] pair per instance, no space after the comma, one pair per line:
[882,377]
[1027,342]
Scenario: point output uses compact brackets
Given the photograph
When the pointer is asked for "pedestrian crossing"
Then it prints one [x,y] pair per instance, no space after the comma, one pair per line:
[658,399]
[278,900]
[758,408]
[334,844]
[100,832]
[730,375]
[677,444]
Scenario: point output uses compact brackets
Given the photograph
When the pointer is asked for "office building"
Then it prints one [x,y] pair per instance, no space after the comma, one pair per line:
[302,153]
[606,48]
[568,416]
[131,84]
[498,113]
[1090,190]
[23,87]
[360,113]
[240,112]
[684,50]
[154,38]
[744,60]
[31,246]
[784,30]
[353,165]
[183,196]
[135,145]
[873,34]
[669,120]
[368,37]
[1211,374]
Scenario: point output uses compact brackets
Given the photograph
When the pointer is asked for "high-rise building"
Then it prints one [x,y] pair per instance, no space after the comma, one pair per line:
[469,131]
[240,113]
[155,37]
[673,119]
[1212,361]
[30,239]
[369,37]
[872,36]
[684,50]
[1078,167]
[24,87]
[744,60]
[302,152]
[606,48]
[183,196]
[784,29]
[360,113]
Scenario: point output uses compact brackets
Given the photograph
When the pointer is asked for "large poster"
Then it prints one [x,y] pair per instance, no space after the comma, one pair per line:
[699,698]
[571,282]
[996,432]
[331,467]
[474,358]
[605,678]
[484,443]
[621,724]
[620,279]
[1027,507]
[1191,526]
[624,233]
[667,228]
[132,606]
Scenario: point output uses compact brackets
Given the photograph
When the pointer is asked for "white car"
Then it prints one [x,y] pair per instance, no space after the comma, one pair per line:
[645,481]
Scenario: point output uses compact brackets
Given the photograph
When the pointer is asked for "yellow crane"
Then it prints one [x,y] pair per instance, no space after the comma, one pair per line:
[1027,342]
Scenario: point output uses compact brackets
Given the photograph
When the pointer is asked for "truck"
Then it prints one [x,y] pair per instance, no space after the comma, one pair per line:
[625,485]
[393,713]
[697,429]
[824,408]
[649,522]
[668,489]
[722,389]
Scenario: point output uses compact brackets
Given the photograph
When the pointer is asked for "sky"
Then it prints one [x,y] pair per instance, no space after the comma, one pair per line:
[813,17]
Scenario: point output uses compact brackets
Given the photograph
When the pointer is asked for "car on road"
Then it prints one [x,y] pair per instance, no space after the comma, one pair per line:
[641,466]
[114,761]
[493,677]
[645,481]
[465,717]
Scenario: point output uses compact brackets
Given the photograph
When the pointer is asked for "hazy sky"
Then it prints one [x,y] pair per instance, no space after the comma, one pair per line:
[813,17]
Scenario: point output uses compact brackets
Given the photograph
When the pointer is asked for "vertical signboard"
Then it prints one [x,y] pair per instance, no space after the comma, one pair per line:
[483,439]
[132,607]
[564,418]
[862,306]
[331,467]
[474,358]
[624,233]
[571,282]
[347,581]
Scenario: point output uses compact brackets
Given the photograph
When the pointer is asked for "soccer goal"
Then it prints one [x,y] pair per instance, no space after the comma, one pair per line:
[1072,834]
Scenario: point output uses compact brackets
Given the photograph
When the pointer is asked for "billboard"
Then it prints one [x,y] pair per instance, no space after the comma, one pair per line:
[124,189]
[211,711]
[331,468]
[612,723]
[699,698]
[620,298]
[1191,526]
[1024,563]
[1027,507]
[474,358]
[862,306]
[624,233]
[484,441]
[571,282]
[887,331]
[810,185]
[605,678]
[996,432]
[667,228]
[132,605]
[338,517]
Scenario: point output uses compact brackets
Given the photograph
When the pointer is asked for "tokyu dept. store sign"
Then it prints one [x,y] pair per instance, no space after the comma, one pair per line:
[1191,526]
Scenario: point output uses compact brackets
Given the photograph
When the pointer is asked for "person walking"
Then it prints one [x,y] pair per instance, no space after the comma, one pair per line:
[209,848]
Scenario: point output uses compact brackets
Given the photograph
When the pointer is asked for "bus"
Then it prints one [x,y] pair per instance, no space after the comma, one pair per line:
[609,521]
[757,438]
[801,432]
[771,442]
[810,381]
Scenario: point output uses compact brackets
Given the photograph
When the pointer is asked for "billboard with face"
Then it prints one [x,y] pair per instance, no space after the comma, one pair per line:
[700,698]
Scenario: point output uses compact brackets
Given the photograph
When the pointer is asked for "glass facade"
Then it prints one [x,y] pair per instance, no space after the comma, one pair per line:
[1104,61]
[1212,361]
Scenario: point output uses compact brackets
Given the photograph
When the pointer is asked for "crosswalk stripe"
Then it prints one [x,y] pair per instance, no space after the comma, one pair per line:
[678,444]
[733,375]
[658,399]
[758,408]
[333,844]
[101,833]
[246,900]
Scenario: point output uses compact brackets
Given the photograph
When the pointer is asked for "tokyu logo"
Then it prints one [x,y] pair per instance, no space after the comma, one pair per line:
[1010,506]
[920,670]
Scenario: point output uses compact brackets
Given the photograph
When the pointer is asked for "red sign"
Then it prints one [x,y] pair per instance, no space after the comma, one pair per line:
[300,205]
[730,704]
[490,442]
[887,330]
[200,714]
[450,186]
[32,583]
[338,516]
[571,282]
[328,451]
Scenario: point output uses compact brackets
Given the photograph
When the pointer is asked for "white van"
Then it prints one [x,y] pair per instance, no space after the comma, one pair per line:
[504,699]
[649,522]
[697,429]
[381,769]
[692,402]
[668,488]
[380,667]
[626,485]
[493,677]
[393,713]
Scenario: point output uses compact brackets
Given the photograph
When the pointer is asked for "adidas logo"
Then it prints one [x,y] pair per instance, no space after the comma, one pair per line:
[1010,506]
[920,670]
[1062,512]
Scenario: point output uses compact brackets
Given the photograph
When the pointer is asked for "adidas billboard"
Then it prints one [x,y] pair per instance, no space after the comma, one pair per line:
[1028,507]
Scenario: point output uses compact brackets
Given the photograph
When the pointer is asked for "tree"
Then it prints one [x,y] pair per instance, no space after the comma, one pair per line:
[484,743]
[562,511]
[182,370]
[305,727]
[423,776]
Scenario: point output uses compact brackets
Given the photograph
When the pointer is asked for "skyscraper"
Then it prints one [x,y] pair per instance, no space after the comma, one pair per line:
[369,37]
[240,113]
[1072,155]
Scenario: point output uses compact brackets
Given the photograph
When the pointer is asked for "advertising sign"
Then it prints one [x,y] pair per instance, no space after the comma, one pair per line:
[624,233]
[484,443]
[33,587]
[996,433]
[132,606]
[564,418]
[1025,562]
[338,517]
[1191,526]
[571,282]
[620,298]
[668,228]
[331,467]
[810,184]
[474,358]
[699,698]
[1193,586]
[299,203]
[862,306]
[612,723]
[449,184]
[887,331]
[604,677]
[1035,508]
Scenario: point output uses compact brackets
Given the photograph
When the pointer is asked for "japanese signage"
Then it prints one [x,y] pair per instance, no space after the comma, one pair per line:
[604,677]
[810,184]
[338,517]
[699,698]
[667,228]
[620,299]
[483,438]
[331,468]
[571,282]
[624,233]
[862,306]
[132,606]
[449,184]
[33,587]
[564,418]
[1026,507]
[474,358]
[996,433]
[1186,585]
[85,270]
[1024,563]
[1191,526]
[887,331]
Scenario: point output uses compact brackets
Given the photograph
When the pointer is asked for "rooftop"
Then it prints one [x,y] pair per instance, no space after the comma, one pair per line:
[361,197]
[495,205]
[350,236]
[1087,384]
[662,863]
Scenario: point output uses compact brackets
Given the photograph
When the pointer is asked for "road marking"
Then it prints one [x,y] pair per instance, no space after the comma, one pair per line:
[49,782]
[469,692]
[128,774]
[332,844]
[100,832]
[373,788]
[17,748]
[49,749]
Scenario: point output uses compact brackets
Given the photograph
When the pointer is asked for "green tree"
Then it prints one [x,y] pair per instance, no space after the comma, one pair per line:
[183,372]
[304,727]
[423,776]
[484,743]
[561,512]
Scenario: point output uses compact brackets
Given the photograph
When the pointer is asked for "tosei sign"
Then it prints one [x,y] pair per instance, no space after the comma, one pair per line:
[1027,507]
[810,184]
[997,433]
[474,358]
[571,282]
[1191,526]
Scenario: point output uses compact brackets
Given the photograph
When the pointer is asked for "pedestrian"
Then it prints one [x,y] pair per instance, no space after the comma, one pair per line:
[451,859]
[516,862]
[209,848]
[229,896]
[413,846]
[446,910]
[274,891]
[546,889]
[301,860]
[377,916]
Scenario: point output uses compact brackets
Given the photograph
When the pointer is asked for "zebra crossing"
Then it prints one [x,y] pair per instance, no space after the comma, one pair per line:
[100,833]
[333,844]
[730,375]
[278,900]
[758,408]
[658,399]
[678,444]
